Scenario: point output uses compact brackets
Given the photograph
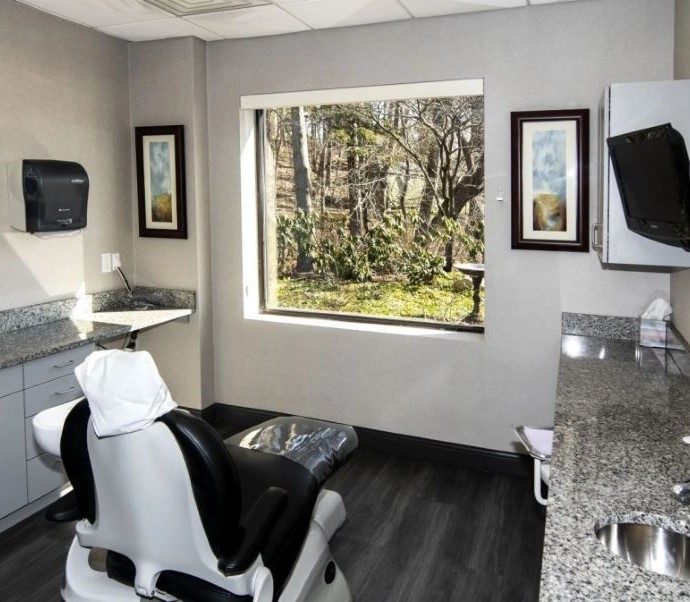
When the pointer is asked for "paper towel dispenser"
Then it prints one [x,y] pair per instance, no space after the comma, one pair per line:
[46,195]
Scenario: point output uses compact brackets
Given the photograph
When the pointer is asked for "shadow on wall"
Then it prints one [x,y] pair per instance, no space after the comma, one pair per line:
[33,271]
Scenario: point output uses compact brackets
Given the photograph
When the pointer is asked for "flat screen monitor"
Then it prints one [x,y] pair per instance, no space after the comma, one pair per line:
[653,176]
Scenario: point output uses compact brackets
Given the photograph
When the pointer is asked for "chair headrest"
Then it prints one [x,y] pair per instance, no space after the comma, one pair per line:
[124,389]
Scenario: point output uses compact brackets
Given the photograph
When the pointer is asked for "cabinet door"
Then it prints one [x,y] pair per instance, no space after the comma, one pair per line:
[11,380]
[44,474]
[12,454]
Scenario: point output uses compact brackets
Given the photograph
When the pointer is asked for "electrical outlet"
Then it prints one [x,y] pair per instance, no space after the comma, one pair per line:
[116,260]
[106,263]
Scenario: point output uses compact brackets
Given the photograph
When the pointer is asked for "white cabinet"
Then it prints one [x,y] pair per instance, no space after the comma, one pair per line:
[12,458]
[625,108]
[27,474]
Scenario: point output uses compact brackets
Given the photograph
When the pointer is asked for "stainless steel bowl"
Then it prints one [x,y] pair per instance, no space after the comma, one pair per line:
[656,549]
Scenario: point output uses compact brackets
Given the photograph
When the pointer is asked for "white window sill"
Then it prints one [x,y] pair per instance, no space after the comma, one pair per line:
[388,329]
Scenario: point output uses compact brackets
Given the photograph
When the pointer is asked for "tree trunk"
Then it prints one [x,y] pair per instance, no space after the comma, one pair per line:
[404,186]
[448,267]
[300,159]
[427,201]
[356,217]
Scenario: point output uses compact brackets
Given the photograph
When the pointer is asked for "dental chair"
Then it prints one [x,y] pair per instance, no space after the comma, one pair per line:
[172,512]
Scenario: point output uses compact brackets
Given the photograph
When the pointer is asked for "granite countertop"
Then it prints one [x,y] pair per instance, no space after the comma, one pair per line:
[37,331]
[621,414]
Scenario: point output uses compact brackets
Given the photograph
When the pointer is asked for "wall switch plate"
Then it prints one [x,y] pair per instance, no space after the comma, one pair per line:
[106,263]
[116,260]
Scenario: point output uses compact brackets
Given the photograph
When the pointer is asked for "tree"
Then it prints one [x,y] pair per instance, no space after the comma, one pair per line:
[443,137]
[300,159]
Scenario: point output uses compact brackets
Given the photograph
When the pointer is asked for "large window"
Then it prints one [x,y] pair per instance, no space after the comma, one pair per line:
[374,210]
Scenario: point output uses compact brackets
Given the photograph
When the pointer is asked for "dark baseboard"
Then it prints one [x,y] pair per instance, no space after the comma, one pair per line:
[232,419]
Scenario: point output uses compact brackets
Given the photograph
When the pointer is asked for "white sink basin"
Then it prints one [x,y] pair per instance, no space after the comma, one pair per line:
[48,426]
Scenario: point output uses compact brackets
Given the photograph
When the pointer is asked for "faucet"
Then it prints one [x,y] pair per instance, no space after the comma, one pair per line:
[681,491]
[124,279]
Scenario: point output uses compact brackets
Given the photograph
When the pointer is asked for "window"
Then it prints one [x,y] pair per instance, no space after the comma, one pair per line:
[372,207]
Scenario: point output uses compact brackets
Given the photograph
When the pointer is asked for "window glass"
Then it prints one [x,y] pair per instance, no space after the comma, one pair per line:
[375,210]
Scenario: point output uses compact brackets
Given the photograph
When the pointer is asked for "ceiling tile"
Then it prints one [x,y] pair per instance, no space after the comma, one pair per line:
[160,29]
[548,1]
[100,13]
[249,22]
[432,8]
[336,13]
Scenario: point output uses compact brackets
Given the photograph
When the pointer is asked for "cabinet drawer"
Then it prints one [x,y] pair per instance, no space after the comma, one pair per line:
[47,395]
[44,473]
[48,368]
[10,380]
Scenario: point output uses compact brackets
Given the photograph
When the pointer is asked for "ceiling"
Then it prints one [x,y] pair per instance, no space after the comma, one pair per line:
[139,20]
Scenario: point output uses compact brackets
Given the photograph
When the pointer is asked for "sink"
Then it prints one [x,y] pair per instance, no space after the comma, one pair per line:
[133,305]
[655,549]
[48,426]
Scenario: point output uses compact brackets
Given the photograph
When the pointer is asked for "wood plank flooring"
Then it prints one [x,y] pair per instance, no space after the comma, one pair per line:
[419,531]
[416,531]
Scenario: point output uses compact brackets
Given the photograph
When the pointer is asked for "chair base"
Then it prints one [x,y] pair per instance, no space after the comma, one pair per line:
[314,578]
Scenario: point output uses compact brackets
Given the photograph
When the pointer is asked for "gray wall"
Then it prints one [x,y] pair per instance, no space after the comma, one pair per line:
[168,87]
[64,95]
[680,281]
[459,388]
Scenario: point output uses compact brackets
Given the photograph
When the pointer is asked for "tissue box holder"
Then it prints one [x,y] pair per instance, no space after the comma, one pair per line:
[653,333]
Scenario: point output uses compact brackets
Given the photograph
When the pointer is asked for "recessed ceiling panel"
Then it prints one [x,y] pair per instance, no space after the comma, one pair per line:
[100,13]
[339,13]
[432,8]
[160,29]
[183,8]
[249,22]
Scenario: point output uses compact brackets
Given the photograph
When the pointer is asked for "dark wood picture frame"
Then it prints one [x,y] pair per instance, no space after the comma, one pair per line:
[550,149]
[162,204]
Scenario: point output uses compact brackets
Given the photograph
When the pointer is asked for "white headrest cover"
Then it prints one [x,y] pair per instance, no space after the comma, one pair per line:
[124,389]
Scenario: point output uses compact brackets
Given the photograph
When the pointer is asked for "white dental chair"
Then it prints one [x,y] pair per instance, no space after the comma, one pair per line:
[177,514]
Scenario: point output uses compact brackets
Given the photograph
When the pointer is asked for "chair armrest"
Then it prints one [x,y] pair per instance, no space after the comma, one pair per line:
[65,509]
[254,530]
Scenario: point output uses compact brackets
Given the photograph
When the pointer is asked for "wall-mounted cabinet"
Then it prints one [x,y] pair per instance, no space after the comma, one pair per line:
[624,108]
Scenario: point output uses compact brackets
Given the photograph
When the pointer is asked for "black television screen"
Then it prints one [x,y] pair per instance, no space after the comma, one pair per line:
[653,176]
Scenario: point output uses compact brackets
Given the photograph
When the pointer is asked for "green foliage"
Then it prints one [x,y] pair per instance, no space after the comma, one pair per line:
[294,233]
[389,248]
[344,257]
[422,266]
[445,300]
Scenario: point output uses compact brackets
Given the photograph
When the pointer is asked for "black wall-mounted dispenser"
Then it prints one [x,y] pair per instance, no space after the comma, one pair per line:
[46,195]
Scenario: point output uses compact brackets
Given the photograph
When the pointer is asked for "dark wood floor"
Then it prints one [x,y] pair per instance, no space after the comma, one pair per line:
[421,531]
[416,531]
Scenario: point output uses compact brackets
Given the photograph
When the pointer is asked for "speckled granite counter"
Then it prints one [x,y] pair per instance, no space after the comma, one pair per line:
[40,330]
[621,412]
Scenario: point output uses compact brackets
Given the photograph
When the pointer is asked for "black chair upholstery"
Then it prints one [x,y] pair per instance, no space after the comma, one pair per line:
[248,502]
[75,458]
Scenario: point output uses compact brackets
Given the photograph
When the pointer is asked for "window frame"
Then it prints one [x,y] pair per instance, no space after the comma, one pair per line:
[258,105]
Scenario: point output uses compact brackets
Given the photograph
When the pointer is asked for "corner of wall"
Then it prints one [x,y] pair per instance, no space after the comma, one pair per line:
[682,40]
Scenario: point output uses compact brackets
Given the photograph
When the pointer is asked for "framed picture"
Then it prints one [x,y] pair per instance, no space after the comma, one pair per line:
[550,180]
[161,181]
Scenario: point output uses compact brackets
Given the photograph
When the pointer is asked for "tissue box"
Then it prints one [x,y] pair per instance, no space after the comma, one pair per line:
[653,333]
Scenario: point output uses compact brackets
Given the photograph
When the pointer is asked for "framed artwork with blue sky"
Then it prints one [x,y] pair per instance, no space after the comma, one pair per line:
[550,180]
[161,181]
